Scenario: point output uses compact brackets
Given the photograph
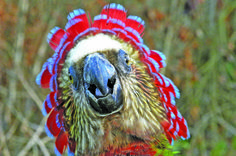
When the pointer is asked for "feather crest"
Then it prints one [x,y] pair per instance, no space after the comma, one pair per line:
[136,23]
[113,21]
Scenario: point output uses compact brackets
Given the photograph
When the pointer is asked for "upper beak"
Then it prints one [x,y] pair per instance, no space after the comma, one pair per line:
[102,84]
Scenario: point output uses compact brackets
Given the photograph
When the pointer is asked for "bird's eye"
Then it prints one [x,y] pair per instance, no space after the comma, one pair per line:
[71,79]
[70,76]
[126,60]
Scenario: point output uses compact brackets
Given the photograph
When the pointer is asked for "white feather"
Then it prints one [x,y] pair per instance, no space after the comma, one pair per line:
[99,42]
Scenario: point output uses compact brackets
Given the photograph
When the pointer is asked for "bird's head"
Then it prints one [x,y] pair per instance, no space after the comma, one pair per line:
[108,95]
[107,92]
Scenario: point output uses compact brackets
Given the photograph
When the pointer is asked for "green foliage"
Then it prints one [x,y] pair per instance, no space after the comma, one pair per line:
[234,143]
[220,148]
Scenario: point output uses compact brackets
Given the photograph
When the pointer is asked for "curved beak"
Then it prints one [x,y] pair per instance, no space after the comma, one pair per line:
[102,84]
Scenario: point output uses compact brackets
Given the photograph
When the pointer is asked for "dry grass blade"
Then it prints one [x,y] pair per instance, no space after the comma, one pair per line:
[35,139]
[29,89]
[3,145]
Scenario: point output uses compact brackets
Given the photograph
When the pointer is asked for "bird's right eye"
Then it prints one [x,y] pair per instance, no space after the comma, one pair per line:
[71,78]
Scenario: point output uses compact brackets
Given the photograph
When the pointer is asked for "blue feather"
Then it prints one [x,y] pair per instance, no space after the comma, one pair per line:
[99,17]
[75,13]
[156,65]
[116,21]
[131,30]
[70,153]
[136,18]
[179,115]
[146,49]
[109,31]
[56,151]
[114,6]
[84,32]
[57,121]
[156,76]
[44,112]
[172,97]
[177,127]
[72,22]
[172,115]
[39,76]
[118,30]
[63,39]
[52,82]
[48,101]
[52,32]
[48,132]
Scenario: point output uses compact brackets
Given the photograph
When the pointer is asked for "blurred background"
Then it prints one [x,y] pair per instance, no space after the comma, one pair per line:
[198,38]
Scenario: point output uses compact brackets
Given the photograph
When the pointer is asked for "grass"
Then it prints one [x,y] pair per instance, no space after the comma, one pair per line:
[200,49]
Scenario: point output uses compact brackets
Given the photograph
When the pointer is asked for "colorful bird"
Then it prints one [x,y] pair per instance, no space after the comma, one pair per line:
[107,95]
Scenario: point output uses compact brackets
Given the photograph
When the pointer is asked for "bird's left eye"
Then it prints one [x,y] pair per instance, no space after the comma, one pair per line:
[70,75]
[124,61]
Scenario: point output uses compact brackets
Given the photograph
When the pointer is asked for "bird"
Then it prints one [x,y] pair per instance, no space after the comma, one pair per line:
[107,94]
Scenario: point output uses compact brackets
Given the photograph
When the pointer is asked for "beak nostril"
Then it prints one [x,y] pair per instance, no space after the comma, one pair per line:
[110,83]
[97,92]
[92,88]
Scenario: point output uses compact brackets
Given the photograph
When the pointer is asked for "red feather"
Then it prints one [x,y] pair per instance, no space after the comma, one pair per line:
[75,27]
[136,23]
[54,37]
[61,141]
[52,123]
[115,11]
[45,78]
[79,14]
